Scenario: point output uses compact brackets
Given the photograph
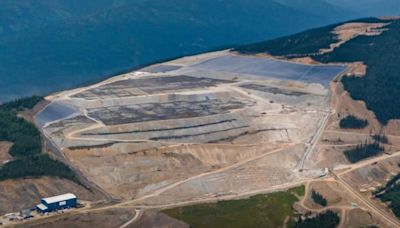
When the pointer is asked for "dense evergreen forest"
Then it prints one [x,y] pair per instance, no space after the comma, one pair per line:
[318,198]
[352,122]
[380,88]
[28,159]
[328,219]
[21,104]
[363,151]
[301,43]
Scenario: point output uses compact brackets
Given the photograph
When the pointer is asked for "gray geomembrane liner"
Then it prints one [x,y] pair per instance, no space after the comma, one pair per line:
[160,68]
[56,111]
[265,67]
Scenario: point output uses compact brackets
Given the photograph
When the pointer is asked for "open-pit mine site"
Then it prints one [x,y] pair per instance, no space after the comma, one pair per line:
[218,124]
[222,126]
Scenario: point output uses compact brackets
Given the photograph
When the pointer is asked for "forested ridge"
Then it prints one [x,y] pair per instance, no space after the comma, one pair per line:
[28,158]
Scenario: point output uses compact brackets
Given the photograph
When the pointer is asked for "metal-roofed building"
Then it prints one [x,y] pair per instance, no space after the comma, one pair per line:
[57,203]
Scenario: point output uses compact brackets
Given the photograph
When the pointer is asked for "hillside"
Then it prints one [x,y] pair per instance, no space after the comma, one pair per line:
[52,45]
[379,88]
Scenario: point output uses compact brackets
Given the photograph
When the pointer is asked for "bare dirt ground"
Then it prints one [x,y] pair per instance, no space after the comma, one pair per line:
[344,105]
[99,219]
[332,191]
[357,69]
[4,149]
[368,179]
[25,193]
[349,31]
[305,60]
[360,218]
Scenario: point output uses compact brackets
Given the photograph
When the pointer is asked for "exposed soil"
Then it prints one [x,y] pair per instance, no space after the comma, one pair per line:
[106,218]
[345,105]
[331,191]
[349,31]
[26,193]
[305,60]
[357,69]
[4,149]
[369,178]
[360,218]
[157,219]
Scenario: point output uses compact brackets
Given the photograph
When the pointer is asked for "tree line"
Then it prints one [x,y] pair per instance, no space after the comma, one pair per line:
[28,158]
